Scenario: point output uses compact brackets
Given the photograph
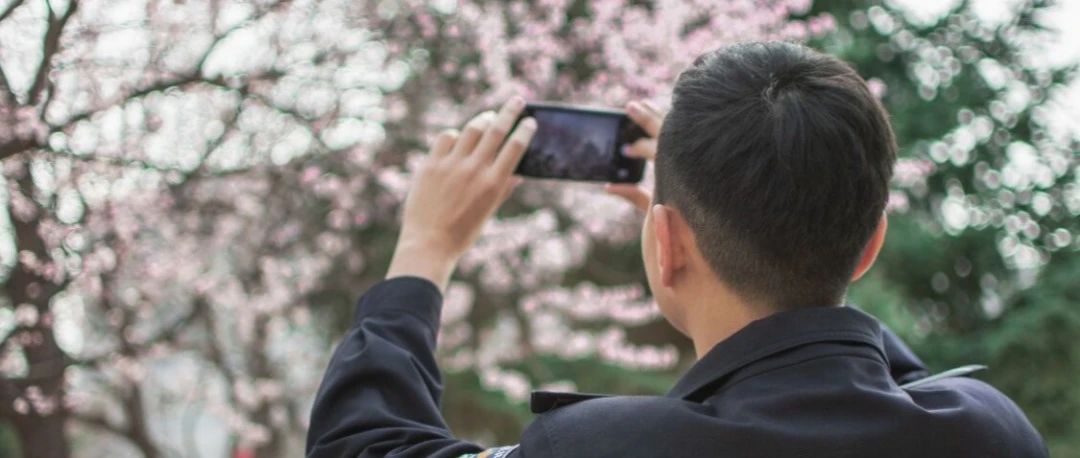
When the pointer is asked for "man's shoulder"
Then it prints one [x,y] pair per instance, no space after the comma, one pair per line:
[956,415]
[617,413]
[972,395]
[588,409]
[974,412]
[620,426]
[975,399]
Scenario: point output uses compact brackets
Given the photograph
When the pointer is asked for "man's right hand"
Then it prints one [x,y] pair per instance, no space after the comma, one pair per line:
[650,118]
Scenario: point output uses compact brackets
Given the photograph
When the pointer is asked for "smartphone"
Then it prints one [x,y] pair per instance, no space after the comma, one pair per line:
[580,143]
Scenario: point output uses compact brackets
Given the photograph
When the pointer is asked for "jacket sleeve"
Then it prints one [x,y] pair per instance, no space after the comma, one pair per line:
[381,392]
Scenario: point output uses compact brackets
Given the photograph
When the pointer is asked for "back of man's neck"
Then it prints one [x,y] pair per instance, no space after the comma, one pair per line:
[714,321]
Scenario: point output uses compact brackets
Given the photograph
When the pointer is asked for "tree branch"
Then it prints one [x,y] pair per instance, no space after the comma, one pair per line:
[214,351]
[212,145]
[11,335]
[11,8]
[49,49]
[142,164]
[171,332]
[16,146]
[99,421]
[168,333]
[221,37]
[300,118]
[155,87]
[199,170]
[9,94]
[188,79]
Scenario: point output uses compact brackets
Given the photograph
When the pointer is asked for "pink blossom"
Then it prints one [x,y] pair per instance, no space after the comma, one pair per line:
[214,208]
[877,87]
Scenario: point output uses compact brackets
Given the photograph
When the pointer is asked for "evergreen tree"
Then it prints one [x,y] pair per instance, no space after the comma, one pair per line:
[982,250]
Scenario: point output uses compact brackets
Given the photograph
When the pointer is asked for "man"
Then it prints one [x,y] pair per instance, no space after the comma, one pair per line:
[772,170]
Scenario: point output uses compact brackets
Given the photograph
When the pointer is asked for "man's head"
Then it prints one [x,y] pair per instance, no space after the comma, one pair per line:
[771,179]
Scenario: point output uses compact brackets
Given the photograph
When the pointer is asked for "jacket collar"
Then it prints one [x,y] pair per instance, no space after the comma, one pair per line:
[774,334]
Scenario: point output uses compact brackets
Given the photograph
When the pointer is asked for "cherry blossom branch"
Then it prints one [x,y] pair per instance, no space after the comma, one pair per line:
[49,48]
[219,38]
[9,95]
[134,431]
[300,119]
[19,145]
[167,334]
[10,8]
[16,146]
[183,80]
[18,330]
[213,348]
[199,169]
[99,421]
[158,86]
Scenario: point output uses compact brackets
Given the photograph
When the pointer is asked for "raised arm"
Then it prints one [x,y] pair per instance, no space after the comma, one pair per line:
[380,395]
[381,392]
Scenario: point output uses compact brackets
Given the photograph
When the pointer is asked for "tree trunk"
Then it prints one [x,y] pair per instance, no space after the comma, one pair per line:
[35,403]
[42,436]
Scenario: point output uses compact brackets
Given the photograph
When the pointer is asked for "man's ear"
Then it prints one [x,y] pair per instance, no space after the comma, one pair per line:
[873,247]
[670,246]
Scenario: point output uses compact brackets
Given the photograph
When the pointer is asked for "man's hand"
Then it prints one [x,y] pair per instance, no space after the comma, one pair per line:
[461,182]
[650,118]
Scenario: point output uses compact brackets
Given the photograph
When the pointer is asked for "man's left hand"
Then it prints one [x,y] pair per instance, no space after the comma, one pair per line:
[461,182]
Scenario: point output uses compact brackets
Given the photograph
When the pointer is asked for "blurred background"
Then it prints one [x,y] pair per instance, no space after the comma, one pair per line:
[196,192]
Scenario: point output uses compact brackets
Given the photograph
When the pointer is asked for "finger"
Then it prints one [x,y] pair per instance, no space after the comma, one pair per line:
[444,142]
[470,135]
[653,107]
[643,148]
[632,193]
[511,184]
[515,147]
[648,120]
[499,129]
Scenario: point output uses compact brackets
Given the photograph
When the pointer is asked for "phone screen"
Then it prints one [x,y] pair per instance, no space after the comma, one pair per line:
[581,144]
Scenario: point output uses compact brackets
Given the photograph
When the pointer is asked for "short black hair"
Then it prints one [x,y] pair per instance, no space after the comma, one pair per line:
[779,158]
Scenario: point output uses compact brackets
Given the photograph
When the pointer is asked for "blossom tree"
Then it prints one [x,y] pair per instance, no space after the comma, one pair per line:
[196,192]
[566,255]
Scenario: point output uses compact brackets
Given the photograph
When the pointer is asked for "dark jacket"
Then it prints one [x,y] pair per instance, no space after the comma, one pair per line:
[817,382]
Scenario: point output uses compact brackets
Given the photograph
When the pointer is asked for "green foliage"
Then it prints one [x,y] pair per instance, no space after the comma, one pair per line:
[1035,354]
[480,415]
[9,442]
[958,294]
[492,418]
